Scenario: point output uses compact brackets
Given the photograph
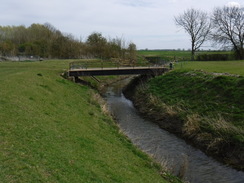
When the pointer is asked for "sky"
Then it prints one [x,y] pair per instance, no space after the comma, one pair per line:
[147,23]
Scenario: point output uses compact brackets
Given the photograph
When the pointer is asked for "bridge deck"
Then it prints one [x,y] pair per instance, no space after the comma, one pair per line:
[116,71]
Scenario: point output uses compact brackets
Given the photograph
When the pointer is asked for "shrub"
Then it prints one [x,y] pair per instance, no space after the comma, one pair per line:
[215,57]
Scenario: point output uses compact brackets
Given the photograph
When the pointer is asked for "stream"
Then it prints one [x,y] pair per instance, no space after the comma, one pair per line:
[171,152]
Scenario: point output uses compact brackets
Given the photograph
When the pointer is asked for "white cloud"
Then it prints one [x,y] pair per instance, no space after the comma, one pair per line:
[233,4]
[136,3]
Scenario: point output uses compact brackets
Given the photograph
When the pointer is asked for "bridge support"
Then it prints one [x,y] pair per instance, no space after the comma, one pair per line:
[93,77]
[76,78]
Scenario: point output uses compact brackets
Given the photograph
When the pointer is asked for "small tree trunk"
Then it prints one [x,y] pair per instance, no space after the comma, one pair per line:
[241,51]
[192,49]
[239,54]
[192,54]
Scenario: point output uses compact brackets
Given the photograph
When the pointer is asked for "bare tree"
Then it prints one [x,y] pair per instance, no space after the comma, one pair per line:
[228,28]
[196,23]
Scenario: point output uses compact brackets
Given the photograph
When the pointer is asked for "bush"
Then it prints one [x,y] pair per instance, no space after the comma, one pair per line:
[215,57]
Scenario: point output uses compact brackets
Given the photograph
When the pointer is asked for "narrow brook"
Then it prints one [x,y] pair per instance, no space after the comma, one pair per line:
[172,152]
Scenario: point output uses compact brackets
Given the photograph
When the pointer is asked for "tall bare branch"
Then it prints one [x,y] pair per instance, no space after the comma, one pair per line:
[228,28]
[196,23]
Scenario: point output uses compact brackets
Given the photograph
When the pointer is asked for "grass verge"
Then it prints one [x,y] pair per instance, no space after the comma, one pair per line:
[204,108]
[53,130]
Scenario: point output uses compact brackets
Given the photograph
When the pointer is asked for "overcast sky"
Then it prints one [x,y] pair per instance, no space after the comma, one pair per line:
[147,23]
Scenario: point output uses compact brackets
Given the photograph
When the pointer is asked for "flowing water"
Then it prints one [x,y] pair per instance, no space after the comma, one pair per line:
[172,152]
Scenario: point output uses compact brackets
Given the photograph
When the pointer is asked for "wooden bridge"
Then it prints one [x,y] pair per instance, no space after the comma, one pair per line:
[77,69]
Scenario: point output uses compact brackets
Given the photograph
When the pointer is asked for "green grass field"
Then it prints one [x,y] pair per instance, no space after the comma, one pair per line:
[170,55]
[231,67]
[53,130]
[165,53]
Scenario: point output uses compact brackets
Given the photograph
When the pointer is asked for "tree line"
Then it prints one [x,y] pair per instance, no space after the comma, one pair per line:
[225,27]
[45,41]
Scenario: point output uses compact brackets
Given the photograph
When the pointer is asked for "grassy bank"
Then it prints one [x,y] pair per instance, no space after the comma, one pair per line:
[53,130]
[204,108]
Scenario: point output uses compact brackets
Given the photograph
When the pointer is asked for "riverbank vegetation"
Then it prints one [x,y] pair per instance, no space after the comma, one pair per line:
[204,107]
[53,130]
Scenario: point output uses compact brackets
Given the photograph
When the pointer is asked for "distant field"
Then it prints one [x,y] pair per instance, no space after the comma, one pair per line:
[175,54]
[184,57]
[232,67]
[161,53]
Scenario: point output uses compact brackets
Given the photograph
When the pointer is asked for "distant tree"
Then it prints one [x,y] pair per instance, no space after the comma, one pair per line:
[20,34]
[39,37]
[196,23]
[48,42]
[228,28]
[97,44]
[59,47]
[51,36]
[116,48]
[7,48]
[132,53]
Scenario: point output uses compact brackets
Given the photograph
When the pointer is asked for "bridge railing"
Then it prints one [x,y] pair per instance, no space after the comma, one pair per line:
[86,64]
